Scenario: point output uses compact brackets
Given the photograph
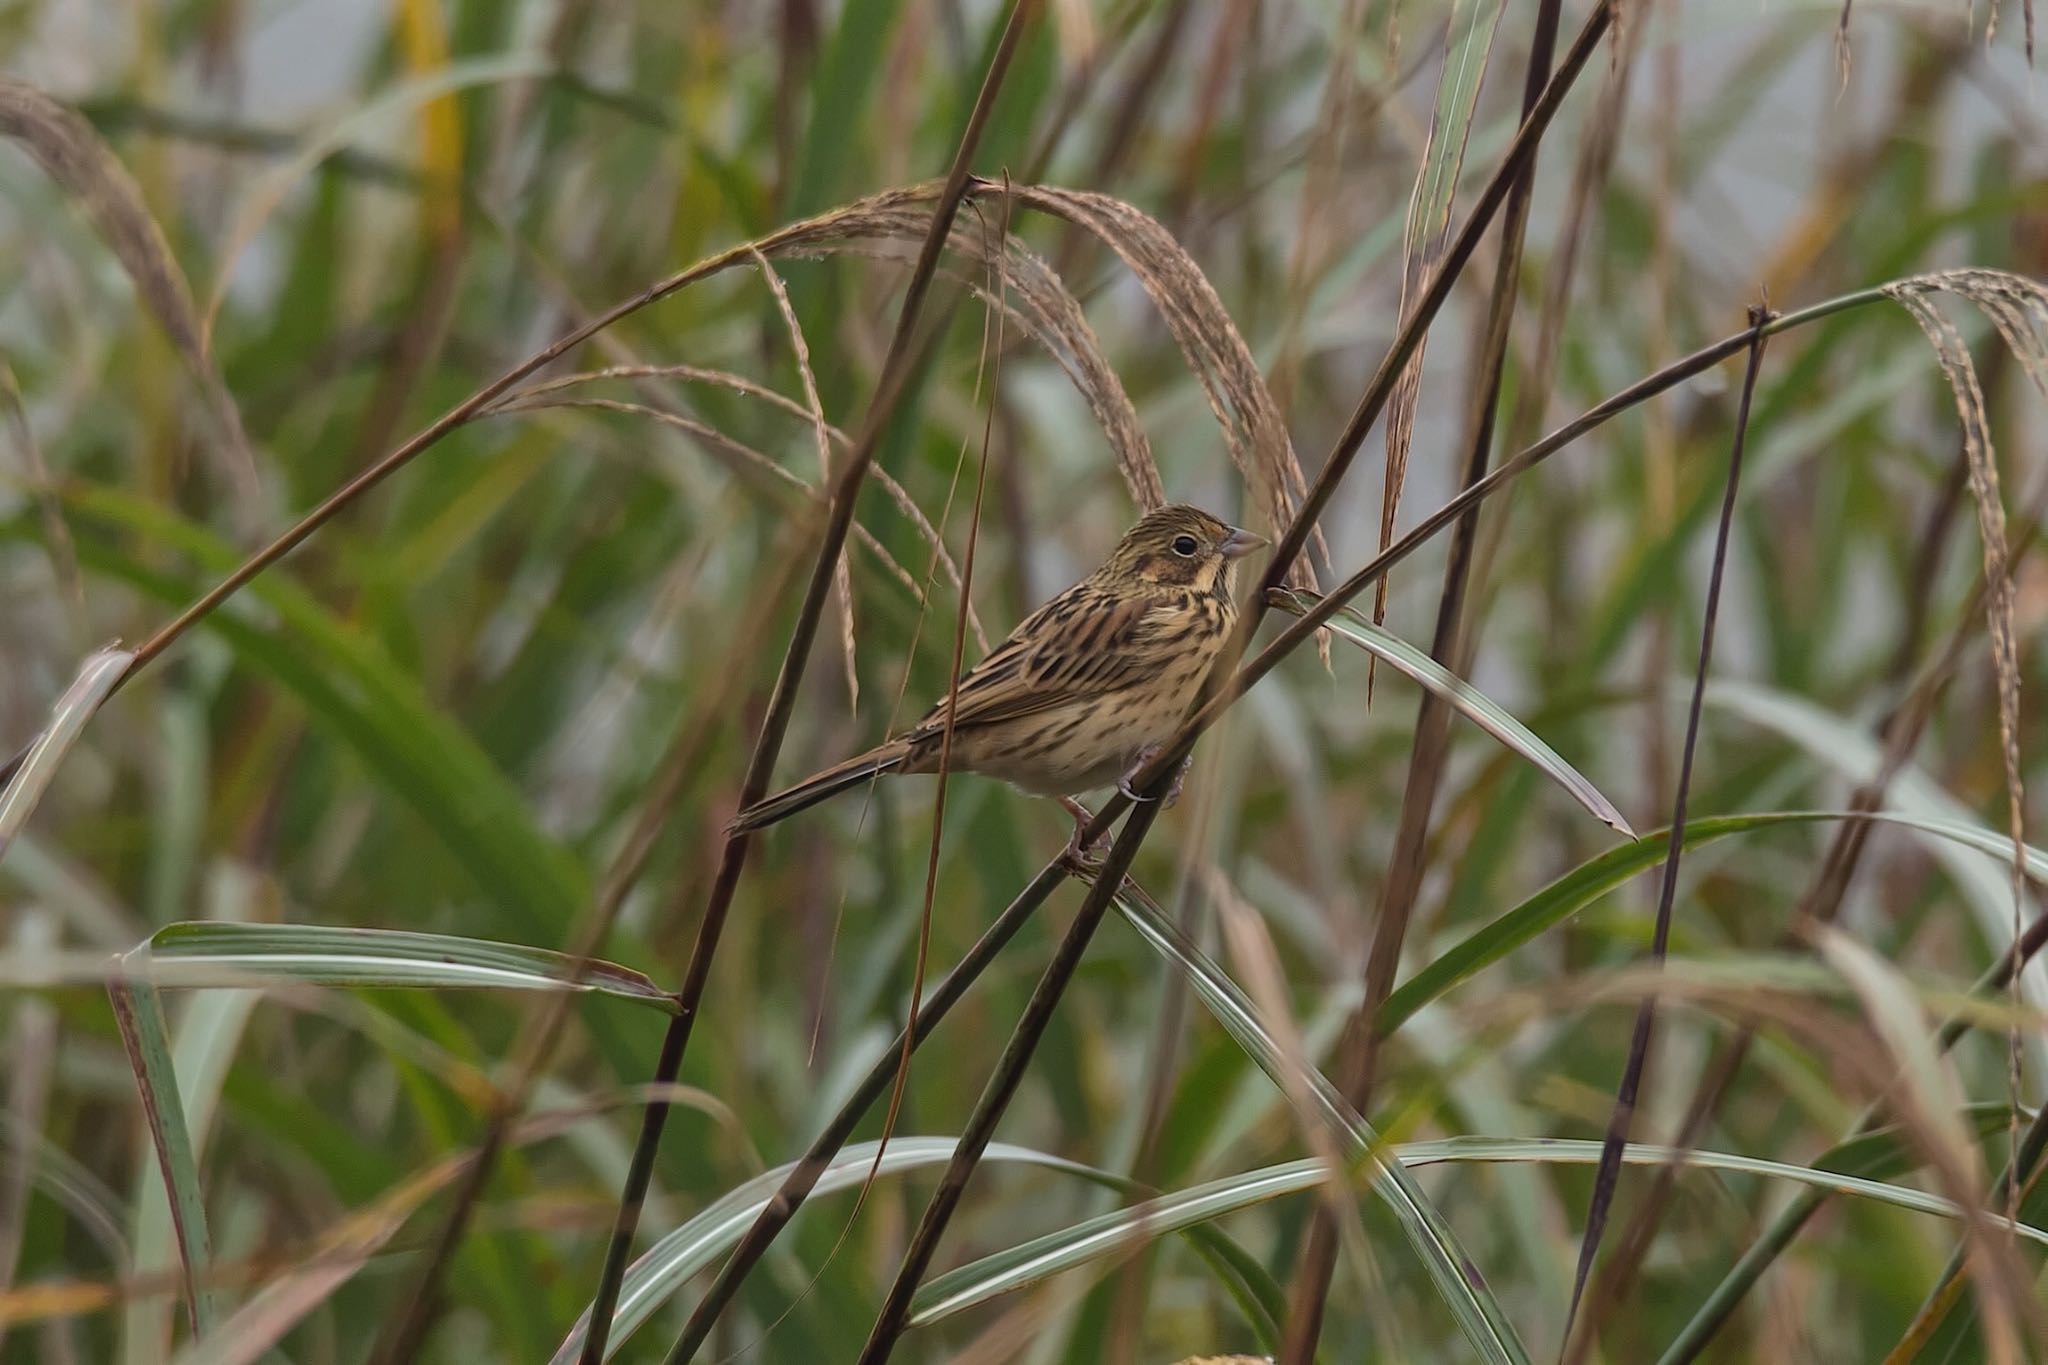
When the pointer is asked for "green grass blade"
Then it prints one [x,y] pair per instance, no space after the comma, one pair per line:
[138,1011]
[96,678]
[1478,1313]
[667,1265]
[368,701]
[1119,1231]
[217,953]
[1467,700]
[1596,877]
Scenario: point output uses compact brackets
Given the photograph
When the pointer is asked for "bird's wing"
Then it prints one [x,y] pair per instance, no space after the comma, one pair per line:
[1077,645]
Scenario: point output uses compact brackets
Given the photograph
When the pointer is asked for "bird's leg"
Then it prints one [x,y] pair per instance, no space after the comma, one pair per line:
[1083,857]
[1145,756]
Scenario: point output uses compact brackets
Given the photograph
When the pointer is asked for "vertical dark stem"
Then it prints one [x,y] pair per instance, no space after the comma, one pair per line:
[797,1186]
[1432,719]
[1003,1083]
[535,1043]
[889,389]
[1608,1173]
[1901,728]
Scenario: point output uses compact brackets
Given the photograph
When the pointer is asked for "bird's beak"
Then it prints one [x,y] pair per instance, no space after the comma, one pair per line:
[1241,542]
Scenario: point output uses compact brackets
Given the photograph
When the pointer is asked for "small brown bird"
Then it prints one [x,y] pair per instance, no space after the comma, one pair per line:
[1089,687]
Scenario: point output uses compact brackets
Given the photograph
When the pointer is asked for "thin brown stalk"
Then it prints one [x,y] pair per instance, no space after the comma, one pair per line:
[803,1176]
[889,390]
[1901,730]
[36,472]
[931,869]
[1004,1080]
[1325,157]
[842,572]
[430,309]
[1599,141]
[1233,22]
[796,51]
[1608,1174]
[1433,719]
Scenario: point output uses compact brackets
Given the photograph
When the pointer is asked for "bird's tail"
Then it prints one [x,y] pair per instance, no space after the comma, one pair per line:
[818,787]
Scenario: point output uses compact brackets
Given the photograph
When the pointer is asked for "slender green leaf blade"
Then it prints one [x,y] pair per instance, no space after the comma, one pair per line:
[1467,700]
[139,1013]
[1121,1230]
[1479,1314]
[204,952]
[97,677]
[667,1265]
[1591,880]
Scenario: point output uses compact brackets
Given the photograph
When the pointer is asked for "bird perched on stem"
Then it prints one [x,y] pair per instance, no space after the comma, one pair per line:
[1087,689]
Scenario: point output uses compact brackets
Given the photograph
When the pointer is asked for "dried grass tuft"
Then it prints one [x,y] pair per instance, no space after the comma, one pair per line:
[2018,309]
[72,154]
[889,225]
[1253,430]
[842,575]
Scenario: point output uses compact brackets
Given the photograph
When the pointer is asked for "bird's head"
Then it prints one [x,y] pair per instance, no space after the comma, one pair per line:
[1182,547]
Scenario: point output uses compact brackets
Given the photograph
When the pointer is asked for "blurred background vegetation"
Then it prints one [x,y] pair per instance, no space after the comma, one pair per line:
[447,710]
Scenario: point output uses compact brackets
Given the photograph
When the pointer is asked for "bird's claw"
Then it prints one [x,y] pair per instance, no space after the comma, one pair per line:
[1085,859]
[1138,764]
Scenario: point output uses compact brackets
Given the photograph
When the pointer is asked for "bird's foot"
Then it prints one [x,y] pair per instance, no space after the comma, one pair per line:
[1145,756]
[1085,859]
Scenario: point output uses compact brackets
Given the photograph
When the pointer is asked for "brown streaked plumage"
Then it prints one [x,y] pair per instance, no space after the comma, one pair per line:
[1090,684]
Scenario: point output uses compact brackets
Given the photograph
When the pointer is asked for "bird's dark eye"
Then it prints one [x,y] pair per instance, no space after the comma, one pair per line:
[1184,546]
